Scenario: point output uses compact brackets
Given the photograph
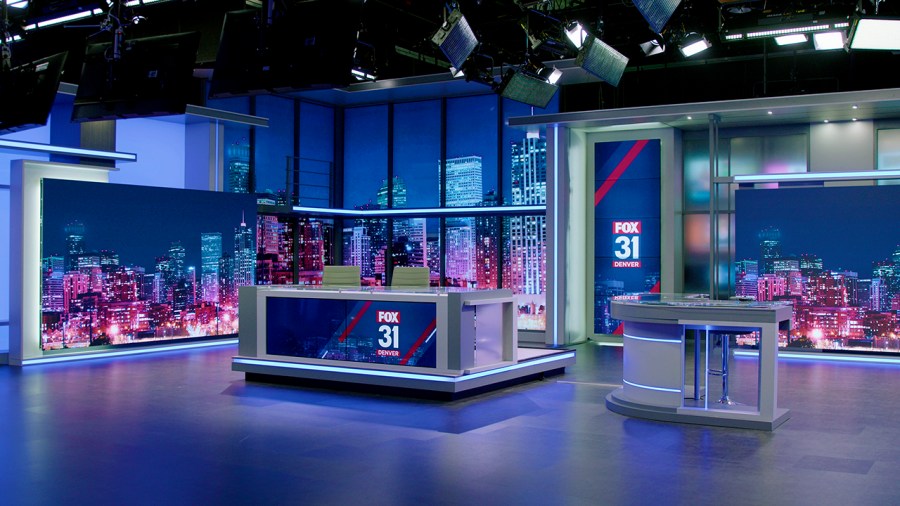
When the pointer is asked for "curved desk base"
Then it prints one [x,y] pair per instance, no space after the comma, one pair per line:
[718,417]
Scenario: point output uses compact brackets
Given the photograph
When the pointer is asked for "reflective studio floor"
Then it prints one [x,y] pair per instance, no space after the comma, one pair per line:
[182,428]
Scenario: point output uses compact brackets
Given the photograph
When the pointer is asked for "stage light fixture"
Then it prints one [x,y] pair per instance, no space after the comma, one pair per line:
[456,39]
[794,38]
[576,34]
[657,12]
[601,60]
[776,22]
[522,86]
[550,74]
[881,33]
[693,43]
[654,46]
[824,41]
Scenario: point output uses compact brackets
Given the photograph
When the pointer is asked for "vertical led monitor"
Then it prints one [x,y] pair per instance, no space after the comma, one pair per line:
[127,265]
[834,253]
[626,224]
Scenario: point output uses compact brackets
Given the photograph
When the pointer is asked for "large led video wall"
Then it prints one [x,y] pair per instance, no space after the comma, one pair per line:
[834,253]
[126,264]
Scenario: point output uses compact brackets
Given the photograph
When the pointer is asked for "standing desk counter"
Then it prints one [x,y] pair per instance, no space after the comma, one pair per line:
[654,358]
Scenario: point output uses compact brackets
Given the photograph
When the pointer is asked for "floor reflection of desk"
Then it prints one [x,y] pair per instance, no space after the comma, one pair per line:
[654,351]
[438,339]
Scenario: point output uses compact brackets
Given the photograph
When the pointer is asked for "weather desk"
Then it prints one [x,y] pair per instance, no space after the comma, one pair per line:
[656,360]
[448,341]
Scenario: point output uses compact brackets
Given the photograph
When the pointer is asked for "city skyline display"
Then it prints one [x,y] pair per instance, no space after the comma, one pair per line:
[125,264]
[483,251]
[833,252]
[475,245]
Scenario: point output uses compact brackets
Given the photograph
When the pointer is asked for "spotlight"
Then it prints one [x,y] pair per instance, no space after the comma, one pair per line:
[693,43]
[522,86]
[829,40]
[601,60]
[550,74]
[576,34]
[656,45]
[657,12]
[456,39]
[875,33]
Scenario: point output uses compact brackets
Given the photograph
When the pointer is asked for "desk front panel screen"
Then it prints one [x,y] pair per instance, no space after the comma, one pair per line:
[382,332]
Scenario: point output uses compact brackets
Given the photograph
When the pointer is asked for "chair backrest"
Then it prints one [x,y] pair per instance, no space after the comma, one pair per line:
[341,275]
[410,276]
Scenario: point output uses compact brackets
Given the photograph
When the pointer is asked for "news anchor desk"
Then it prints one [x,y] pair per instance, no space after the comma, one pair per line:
[444,340]
[654,359]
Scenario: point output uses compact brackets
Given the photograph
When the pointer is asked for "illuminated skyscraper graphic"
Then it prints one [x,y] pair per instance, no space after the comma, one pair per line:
[244,255]
[311,255]
[227,282]
[237,157]
[746,276]
[275,247]
[528,234]
[210,253]
[464,189]
[74,243]
[358,250]
[487,246]
[52,297]
[769,249]
[398,197]
[464,181]
[176,257]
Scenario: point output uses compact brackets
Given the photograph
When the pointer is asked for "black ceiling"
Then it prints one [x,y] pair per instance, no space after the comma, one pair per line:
[396,42]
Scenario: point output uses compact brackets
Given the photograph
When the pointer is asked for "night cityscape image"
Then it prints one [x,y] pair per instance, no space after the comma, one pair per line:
[474,245]
[833,253]
[126,264]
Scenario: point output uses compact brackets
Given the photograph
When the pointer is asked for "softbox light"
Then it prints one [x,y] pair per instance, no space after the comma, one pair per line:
[657,12]
[601,60]
[456,39]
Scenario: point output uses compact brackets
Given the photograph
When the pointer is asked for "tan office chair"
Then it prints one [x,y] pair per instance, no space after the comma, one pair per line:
[341,275]
[412,277]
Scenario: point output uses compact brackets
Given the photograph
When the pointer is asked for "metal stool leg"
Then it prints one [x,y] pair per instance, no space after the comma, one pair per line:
[723,372]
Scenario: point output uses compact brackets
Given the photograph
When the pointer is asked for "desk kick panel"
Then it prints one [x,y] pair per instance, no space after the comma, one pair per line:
[382,332]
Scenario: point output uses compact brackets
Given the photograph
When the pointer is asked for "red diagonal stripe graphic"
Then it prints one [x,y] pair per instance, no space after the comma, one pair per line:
[354,321]
[419,342]
[619,170]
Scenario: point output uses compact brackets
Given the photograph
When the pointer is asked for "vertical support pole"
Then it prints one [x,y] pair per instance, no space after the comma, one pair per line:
[697,361]
[713,206]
